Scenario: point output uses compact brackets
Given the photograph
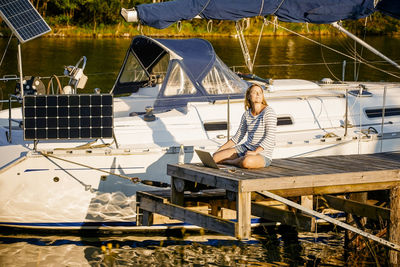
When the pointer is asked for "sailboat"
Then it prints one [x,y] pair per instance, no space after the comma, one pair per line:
[171,94]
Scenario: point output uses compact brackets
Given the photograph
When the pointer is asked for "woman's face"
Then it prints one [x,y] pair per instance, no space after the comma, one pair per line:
[256,95]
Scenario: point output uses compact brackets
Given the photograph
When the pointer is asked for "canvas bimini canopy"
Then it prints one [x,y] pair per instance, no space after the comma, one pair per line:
[185,70]
[161,15]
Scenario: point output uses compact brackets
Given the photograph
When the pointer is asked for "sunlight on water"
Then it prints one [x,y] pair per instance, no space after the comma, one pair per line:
[189,250]
[280,57]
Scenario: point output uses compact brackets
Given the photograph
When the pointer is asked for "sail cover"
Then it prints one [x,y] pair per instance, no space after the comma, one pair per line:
[161,15]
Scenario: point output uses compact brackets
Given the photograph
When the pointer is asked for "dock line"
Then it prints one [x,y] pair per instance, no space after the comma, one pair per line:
[132,179]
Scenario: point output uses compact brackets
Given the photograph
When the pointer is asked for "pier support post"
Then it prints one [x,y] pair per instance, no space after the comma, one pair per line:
[243,215]
[308,202]
[177,191]
[351,242]
[394,226]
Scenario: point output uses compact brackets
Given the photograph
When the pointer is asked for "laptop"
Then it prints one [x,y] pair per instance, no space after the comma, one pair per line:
[206,159]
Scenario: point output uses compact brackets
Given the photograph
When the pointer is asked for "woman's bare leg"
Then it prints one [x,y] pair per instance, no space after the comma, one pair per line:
[226,154]
[253,162]
[236,162]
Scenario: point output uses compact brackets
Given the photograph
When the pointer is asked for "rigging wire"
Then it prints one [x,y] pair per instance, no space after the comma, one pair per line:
[5,51]
[335,50]
[326,66]
[362,49]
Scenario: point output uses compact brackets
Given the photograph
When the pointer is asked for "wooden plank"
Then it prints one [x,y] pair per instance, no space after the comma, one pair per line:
[297,182]
[210,222]
[300,221]
[366,162]
[243,215]
[357,208]
[326,167]
[206,176]
[177,195]
[322,190]
[394,225]
[303,165]
[308,202]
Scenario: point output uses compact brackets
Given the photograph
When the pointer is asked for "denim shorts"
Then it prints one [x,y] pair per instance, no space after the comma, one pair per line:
[242,149]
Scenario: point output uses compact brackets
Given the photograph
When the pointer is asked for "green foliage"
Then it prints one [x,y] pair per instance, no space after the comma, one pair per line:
[102,17]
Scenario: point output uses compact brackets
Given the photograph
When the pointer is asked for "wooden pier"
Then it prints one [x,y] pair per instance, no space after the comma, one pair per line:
[242,190]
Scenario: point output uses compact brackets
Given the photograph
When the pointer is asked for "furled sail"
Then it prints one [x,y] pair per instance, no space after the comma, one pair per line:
[161,15]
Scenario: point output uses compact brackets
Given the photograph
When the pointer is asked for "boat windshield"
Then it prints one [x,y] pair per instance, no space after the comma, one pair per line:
[133,71]
[221,80]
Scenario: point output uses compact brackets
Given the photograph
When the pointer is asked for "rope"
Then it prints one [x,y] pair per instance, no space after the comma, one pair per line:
[209,26]
[279,6]
[326,66]
[261,8]
[259,40]
[5,51]
[179,26]
[204,7]
[243,46]
[132,179]
[334,50]
[60,89]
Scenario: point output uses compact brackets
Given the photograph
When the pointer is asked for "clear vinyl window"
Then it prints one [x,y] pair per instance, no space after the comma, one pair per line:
[178,82]
[221,80]
[133,71]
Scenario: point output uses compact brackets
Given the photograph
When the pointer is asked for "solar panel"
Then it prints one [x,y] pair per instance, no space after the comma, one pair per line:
[68,116]
[23,19]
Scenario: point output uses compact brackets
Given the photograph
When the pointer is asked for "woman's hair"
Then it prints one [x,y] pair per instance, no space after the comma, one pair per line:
[247,102]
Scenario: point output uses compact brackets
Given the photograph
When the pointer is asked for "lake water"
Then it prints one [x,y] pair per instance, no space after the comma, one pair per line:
[281,57]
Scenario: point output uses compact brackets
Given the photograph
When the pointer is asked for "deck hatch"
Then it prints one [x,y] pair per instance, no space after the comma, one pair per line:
[286,120]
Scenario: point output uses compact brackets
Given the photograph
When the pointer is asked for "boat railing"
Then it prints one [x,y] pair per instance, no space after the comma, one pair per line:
[11,98]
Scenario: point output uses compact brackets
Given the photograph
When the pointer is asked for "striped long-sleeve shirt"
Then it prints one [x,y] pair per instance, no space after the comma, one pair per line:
[260,131]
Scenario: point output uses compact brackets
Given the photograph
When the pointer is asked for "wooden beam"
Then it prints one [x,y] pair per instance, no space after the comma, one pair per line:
[312,181]
[265,211]
[323,190]
[357,208]
[190,216]
[177,194]
[300,221]
[206,176]
[308,202]
[243,215]
[394,225]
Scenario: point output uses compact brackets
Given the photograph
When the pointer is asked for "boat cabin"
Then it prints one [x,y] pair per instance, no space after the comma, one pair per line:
[167,74]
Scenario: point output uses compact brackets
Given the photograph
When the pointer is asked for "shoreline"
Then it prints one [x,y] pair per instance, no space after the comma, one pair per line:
[189,29]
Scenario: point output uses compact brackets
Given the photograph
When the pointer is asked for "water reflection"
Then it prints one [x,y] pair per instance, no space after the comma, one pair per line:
[279,247]
[46,56]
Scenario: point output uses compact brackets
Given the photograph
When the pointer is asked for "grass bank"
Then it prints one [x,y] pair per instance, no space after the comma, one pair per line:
[202,28]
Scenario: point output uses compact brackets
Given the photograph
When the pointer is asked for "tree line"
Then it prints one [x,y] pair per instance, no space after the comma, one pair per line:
[83,12]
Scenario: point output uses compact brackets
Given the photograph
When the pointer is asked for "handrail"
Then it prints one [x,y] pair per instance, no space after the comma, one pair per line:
[10,120]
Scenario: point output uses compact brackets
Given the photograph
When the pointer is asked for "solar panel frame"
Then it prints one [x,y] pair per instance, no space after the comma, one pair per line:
[23,19]
[56,117]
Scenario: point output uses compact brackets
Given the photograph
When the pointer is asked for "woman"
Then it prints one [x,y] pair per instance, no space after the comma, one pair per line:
[259,123]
